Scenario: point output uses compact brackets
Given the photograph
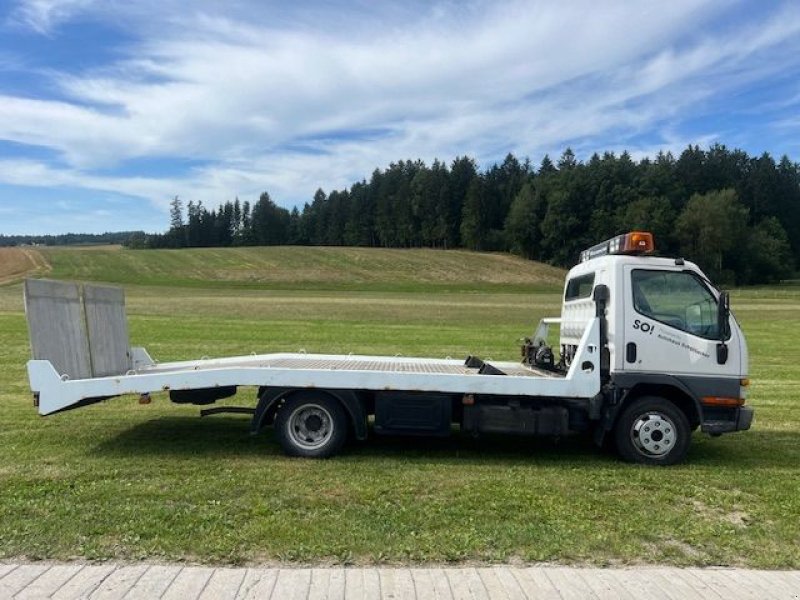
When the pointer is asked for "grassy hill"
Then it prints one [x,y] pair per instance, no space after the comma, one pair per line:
[302,268]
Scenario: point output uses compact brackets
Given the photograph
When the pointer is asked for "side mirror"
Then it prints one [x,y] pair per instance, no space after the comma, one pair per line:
[723,316]
[723,326]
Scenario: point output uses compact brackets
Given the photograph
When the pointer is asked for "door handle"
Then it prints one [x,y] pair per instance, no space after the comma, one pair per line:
[630,352]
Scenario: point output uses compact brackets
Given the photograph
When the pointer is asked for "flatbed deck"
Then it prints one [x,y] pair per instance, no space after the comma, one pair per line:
[318,371]
[351,363]
[92,361]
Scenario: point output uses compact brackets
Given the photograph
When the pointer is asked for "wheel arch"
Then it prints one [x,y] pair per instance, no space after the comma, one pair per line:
[670,387]
[270,399]
[674,392]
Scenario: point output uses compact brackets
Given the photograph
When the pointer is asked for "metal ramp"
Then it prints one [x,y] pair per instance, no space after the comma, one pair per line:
[80,328]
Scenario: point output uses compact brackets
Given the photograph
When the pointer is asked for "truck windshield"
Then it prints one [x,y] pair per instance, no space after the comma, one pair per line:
[676,298]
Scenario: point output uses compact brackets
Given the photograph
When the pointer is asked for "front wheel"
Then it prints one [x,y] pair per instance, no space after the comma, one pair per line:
[653,431]
[311,425]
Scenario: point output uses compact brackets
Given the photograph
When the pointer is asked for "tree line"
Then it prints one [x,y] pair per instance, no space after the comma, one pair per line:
[737,215]
[70,239]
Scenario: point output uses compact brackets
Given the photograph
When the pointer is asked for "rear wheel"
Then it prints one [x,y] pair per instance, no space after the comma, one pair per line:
[653,431]
[311,425]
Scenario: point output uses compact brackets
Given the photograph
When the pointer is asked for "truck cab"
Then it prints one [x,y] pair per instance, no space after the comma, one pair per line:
[675,355]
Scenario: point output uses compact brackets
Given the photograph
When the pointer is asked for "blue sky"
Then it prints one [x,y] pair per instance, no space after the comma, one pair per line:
[109,108]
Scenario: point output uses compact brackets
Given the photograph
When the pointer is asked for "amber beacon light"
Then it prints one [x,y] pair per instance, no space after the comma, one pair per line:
[634,242]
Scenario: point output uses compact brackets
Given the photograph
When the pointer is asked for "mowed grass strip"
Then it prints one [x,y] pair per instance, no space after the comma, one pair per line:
[286,267]
[129,481]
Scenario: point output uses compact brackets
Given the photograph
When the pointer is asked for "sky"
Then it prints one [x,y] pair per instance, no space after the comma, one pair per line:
[110,108]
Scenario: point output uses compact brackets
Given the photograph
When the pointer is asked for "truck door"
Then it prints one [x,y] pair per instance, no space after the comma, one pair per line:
[671,324]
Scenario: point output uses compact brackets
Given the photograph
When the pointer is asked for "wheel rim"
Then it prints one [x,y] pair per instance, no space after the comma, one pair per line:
[310,426]
[653,434]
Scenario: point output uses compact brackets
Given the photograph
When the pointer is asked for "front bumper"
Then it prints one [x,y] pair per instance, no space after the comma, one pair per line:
[741,419]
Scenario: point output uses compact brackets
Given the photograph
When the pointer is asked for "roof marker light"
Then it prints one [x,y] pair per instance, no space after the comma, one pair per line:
[635,242]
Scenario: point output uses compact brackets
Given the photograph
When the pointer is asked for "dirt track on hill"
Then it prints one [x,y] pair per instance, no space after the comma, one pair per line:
[16,263]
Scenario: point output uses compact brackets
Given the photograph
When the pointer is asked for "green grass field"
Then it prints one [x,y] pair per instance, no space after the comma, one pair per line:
[130,481]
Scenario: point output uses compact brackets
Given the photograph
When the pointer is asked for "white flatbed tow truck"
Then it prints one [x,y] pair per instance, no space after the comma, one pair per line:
[648,352]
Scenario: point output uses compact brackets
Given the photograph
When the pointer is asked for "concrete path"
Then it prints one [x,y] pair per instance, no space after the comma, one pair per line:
[67,581]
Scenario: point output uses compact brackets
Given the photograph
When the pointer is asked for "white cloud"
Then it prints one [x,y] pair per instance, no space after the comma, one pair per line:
[43,15]
[243,91]
[38,174]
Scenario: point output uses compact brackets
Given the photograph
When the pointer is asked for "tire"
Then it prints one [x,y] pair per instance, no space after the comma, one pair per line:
[652,431]
[311,425]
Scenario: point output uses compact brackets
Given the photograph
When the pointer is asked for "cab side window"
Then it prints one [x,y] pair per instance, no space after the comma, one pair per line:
[676,298]
[579,287]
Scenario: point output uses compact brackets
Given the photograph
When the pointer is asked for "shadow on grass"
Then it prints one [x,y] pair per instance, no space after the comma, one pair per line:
[230,437]
[225,437]
[484,449]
